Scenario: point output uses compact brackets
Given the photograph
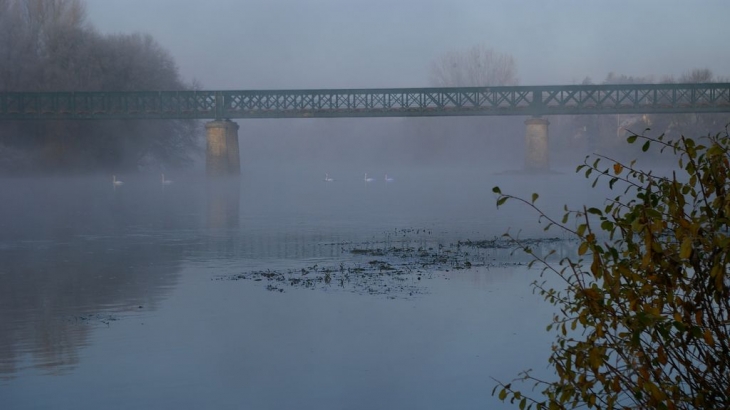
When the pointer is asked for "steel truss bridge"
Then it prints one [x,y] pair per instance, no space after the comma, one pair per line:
[389,102]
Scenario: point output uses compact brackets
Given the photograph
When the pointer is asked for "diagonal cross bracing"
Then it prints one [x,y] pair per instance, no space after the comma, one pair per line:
[521,100]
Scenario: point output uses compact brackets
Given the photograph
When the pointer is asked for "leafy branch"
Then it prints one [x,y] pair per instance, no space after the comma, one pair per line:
[644,314]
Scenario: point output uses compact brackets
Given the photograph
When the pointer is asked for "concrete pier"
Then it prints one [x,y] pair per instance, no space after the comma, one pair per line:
[222,155]
[537,156]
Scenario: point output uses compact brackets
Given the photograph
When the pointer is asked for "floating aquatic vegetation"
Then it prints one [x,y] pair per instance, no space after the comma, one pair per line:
[391,269]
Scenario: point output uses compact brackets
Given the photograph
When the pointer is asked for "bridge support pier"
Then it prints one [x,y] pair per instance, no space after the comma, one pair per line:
[536,144]
[222,155]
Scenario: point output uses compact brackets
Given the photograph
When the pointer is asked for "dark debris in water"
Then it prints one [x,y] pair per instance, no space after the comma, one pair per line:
[393,270]
[374,278]
[502,243]
[93,319]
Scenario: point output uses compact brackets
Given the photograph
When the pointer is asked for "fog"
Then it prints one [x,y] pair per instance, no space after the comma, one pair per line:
[280,288]
[227,44]
[135,289]
[384,142]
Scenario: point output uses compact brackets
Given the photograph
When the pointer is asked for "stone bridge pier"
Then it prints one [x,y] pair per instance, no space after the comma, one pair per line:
[537,157]
[222,155]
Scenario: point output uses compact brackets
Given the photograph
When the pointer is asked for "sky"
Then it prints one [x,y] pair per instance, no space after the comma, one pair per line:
[305,44]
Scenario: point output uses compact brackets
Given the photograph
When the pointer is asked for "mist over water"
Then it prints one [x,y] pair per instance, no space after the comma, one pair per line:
[357,262]
[125,281]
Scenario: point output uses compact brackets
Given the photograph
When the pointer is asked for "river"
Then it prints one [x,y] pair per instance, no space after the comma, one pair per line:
[277,290]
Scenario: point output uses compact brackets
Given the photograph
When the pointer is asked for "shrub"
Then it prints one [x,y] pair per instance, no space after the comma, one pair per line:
[644,314]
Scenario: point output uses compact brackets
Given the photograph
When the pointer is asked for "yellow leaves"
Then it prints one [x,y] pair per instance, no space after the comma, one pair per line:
[591,294]
[658,225]
[693,180]
[646,260]
[596,266]
[633,301]
[677,317]
[717,273]
[685,251]
[583,318]
[642,303]
[617,168]
[616,384]
[661,355]
[595,359]
[656,247]
[599,331]
[698,317]
[715,150]
[637,225]
[707,335]
[684,223]
[583,248]
[656,393]
[644,373]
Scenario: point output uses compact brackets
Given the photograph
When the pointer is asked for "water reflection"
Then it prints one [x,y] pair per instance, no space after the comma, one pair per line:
[74,248]
[74,253]
[77,253]
[224,204]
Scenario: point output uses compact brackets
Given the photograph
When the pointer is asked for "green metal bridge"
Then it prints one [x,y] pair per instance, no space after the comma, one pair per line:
[389,102]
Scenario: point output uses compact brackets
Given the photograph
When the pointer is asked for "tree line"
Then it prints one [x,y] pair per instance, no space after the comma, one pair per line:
[482,66]
[607,133]
[48,45]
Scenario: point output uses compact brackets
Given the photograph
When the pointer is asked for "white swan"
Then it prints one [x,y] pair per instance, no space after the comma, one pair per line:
[115,181]
[388,179]
[368,179]
[327,178]
[165,181]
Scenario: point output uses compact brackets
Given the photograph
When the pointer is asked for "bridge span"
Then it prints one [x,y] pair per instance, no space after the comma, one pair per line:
[221,106]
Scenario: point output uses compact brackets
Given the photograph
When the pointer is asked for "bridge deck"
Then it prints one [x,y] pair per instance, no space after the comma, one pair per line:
[404,102]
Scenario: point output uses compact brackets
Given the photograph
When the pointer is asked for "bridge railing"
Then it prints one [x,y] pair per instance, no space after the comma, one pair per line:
[107,105]
[518,100]
[652,97]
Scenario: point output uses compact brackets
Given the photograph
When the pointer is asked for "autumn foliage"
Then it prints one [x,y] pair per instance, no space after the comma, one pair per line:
[644,313]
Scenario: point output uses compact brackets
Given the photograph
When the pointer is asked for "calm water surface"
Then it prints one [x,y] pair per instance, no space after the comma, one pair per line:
[118,297]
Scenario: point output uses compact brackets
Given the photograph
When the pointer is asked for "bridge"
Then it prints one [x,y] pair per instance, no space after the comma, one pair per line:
[221,106]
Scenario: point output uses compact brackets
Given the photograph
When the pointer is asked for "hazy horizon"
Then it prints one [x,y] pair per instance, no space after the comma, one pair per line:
[226,44]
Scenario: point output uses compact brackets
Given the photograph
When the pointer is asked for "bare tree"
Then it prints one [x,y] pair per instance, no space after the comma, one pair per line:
[46,45]
[698,75]
[613,78]
[433,139]
[478,66]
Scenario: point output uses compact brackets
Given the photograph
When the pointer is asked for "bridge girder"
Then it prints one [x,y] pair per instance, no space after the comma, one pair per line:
[405,102]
